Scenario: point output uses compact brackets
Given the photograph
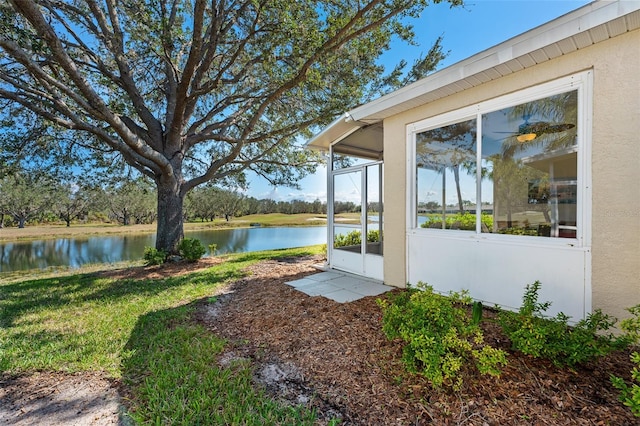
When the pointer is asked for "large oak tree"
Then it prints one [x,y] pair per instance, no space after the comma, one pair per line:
[188,92]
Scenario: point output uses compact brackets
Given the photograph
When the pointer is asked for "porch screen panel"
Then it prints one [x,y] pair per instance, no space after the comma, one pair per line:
[347,211]
[445,177]
[374,209]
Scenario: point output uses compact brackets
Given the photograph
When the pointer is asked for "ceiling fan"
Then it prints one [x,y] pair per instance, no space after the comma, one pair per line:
[529,131]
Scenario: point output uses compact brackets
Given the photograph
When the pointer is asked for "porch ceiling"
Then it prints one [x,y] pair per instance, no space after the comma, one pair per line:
[591,24]
[351,137]
[366,142]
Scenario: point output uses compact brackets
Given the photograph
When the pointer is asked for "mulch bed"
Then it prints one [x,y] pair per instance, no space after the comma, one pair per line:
[334,357]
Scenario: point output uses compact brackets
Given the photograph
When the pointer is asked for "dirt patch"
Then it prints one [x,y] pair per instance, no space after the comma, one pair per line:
[57,399]
[156,272]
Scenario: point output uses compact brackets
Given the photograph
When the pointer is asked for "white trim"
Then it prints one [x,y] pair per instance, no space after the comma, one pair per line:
[339,129]
[330,209]
[478,175]
[585,121]
[412,196]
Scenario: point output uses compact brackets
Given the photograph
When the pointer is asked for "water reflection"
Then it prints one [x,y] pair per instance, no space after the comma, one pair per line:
[76,252]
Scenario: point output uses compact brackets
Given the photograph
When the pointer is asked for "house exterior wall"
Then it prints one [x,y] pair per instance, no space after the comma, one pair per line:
[616,175]
[615,165]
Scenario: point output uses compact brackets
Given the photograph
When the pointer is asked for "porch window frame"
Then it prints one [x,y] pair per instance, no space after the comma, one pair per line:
[582,83]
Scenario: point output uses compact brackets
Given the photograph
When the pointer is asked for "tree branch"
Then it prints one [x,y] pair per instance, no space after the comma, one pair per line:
[114,40]
[30,11]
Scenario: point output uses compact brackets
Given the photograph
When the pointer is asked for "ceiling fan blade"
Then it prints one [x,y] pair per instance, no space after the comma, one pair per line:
[540,127]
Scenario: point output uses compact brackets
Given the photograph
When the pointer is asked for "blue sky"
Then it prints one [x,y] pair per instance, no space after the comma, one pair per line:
[480,25]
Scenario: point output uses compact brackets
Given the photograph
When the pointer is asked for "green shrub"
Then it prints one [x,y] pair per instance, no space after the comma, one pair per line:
[352,238]
[465,221]
[438,334]
[373,236]
[519,230]
[631,326]
[212,249]
[153,256]
[630,395]
[191,249]
[552,338]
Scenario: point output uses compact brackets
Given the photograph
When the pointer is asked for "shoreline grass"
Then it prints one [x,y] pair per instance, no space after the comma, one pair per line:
[139,331]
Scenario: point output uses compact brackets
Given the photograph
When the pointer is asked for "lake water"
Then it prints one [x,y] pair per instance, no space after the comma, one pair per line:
[76,252]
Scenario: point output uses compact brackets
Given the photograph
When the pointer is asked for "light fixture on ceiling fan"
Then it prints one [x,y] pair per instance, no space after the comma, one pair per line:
[526,137]
[529,131]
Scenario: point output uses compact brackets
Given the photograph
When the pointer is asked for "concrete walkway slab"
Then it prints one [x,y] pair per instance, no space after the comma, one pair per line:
[339,286]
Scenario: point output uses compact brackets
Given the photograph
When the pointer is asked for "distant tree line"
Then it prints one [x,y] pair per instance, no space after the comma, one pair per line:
[36,198]
[210,202]
[29,198]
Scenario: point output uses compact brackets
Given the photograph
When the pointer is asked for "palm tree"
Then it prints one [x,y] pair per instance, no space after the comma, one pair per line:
[448,147]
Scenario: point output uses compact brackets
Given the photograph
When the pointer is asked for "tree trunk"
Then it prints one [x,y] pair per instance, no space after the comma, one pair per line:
[170,219]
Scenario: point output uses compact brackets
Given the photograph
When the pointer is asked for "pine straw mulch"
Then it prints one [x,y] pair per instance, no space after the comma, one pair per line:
[334,357]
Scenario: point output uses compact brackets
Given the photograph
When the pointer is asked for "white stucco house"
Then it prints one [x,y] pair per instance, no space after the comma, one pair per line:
[520,163]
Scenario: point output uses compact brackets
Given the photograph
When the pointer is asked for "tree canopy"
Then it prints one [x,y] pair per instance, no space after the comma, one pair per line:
[188,92]
[24,196]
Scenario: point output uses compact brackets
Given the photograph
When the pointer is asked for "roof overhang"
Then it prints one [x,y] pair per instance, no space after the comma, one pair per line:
[583,27]
[351,137]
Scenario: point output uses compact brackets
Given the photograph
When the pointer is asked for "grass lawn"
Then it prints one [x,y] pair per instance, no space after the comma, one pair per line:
[139,331]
